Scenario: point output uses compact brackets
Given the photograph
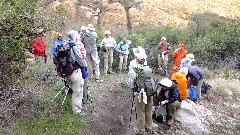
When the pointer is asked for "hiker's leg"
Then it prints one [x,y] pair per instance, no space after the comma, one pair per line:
[125,57]
[96,62]
[105,57]
[85,91]
[89,64]
[120,62]
[198,88]
[76,83]
[172,107]
[148,113]
[140,108]
[165,62]
[110,59]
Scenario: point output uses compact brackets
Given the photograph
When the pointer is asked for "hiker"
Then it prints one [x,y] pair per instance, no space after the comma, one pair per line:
[38,46]
[195,78]
[59,41]
[169,95]
[90,39]
[122,49]
[76,80]
[143,105]
[187,61]
[82,32]
[163,48]
[179,54]
[108,44]
[180,78]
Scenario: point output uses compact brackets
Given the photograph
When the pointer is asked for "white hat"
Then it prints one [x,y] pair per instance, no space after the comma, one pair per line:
[190,57]
[184,70]
[74,34]
[166,82]
[139,49]
[163,38]
[107,32]
[140,55]
[83,28]
[40,30]
[91,27]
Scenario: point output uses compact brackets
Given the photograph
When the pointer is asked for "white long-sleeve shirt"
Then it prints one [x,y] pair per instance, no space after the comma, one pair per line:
[109,42]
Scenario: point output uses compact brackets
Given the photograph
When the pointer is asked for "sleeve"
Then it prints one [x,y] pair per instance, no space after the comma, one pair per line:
[173,95]
[118,47]
[174,56]
[159,46]
[78,56]
[161,96]
[168,48]
[54,49]
[103,43]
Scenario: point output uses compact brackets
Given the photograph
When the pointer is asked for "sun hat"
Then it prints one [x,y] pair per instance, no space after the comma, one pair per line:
[139,49]
[83,28]
[73,33]
[140,55]
[184,70]
[166,82]
[107,32]
[190,57]
[91,27]
[163,38]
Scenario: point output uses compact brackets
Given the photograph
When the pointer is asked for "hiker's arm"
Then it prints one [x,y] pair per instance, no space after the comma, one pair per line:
[118,47]
[168,49]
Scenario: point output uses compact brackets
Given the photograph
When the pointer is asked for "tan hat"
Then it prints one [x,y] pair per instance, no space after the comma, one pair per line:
[139,49]
[163,38]
[166,82]
[140,55]
[107,32]
[190,57]
[91,27]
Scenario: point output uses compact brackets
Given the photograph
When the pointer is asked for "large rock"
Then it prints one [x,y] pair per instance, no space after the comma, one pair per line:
[194,117]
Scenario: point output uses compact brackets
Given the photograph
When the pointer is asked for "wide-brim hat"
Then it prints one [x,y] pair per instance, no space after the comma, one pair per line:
[163,38]
[166,82]
[139,49]
[190,57]
[107,32]
[140,56]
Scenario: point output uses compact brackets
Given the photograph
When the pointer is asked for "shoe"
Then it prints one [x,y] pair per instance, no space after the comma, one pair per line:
[81,114]
[98,80]
[110,72]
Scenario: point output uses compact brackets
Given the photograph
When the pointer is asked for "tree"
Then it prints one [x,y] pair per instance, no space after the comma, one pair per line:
[127,5]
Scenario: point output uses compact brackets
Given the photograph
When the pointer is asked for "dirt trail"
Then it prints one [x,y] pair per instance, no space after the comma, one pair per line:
[111,107]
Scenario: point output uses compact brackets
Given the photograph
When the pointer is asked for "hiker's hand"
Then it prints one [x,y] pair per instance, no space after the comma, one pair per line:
[164,102]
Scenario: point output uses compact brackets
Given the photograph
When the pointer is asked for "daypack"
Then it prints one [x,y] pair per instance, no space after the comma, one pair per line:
[63,60]
[192,93]
[205,87]
[146,80]
[159,113]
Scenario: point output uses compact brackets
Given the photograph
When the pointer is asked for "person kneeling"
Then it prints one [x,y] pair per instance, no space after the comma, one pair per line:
[169,95]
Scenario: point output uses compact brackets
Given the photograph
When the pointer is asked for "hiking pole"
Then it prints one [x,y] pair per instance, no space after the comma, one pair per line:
[57,94]
[66,92]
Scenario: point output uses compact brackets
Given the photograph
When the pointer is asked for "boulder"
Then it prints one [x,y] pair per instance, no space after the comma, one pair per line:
[194,117]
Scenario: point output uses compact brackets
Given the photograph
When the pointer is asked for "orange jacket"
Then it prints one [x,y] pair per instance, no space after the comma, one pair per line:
[181,80]
[179,55]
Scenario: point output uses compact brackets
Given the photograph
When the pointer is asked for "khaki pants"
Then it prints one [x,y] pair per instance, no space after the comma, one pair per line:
[85,91]
[173,107]
[198,88]
[108,60]
[93,64]
[123,62]
[163,61]
[76,83]
[144,114]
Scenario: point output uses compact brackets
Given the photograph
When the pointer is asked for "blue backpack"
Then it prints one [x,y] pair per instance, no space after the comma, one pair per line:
[192,93]
[205,87]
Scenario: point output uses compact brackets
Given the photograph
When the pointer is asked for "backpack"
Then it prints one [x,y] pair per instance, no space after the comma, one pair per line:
[205,87]
[146,80]
[192,93]
[160,113]
[63,60]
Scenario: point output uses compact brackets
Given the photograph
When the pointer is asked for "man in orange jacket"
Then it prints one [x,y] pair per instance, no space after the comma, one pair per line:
[180,78]
[179,54]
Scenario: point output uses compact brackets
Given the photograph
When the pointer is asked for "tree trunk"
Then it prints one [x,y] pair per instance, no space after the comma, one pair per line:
[129,23]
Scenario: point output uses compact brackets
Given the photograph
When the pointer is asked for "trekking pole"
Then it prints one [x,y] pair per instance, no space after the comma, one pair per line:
[66,92]
[57,94]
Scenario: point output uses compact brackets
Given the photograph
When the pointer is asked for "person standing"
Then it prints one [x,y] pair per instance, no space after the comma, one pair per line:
[59,41]
[108,44]
[90,42]
[143,108]
[122,49]
[179,54]
[163,48]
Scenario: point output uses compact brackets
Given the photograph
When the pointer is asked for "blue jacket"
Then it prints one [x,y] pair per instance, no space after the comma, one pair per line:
[195,74]
[122,48]
[56,43]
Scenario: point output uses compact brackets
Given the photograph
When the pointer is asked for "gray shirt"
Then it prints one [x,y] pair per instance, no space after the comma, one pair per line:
[90,41]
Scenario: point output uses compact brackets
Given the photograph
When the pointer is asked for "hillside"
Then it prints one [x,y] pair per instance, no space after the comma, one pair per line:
[151,12]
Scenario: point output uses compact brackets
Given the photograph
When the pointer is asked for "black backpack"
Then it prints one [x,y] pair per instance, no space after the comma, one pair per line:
[63,60]
[160,114]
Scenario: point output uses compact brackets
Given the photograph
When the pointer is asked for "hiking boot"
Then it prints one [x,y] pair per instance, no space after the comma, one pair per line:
[110,72]
[81,114]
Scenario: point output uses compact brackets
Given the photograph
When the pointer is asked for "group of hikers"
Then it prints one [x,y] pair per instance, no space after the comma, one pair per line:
[77,59]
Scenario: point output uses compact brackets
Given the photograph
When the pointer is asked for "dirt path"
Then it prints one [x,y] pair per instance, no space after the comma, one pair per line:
[111,107]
